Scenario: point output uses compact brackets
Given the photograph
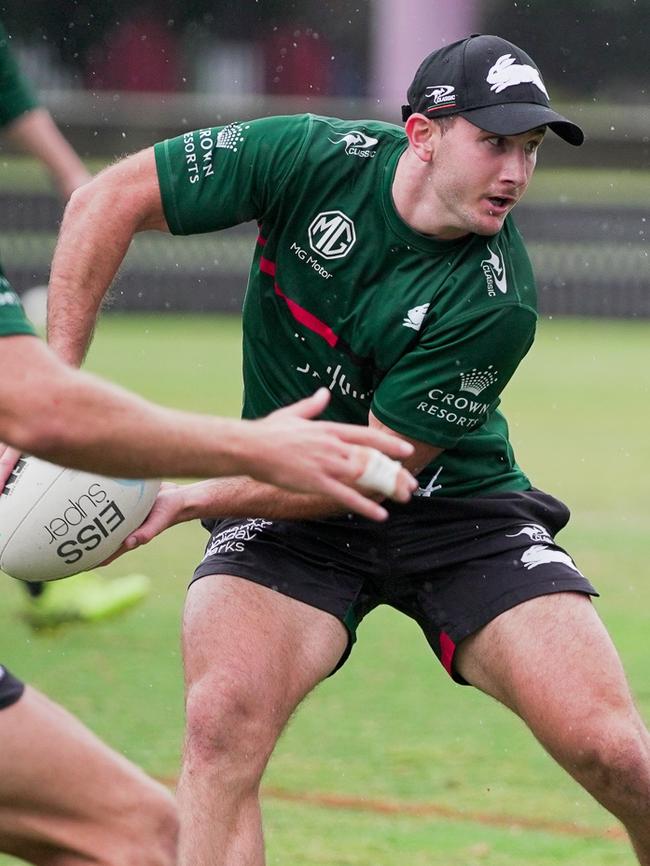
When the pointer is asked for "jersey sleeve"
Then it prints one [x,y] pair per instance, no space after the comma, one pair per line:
[450,382]
[16,96]
[12,315]
[221,176]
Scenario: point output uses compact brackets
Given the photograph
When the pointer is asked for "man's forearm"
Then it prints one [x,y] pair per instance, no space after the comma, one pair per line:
[69,417]
[79,277]
[98,226]
[63,415]
[36,133]
[245,497]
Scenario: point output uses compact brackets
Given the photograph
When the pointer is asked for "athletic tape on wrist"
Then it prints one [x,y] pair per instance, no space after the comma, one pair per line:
[380,473]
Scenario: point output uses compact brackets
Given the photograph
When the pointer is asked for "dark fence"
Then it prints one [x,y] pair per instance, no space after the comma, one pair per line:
[589,261]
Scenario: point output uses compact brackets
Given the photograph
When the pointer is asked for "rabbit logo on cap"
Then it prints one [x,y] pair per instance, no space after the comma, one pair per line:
[506,73]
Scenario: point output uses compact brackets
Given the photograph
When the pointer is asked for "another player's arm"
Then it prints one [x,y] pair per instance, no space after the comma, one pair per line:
[49,409]
[242,497]
[98,225]
[233,497]
[36,133]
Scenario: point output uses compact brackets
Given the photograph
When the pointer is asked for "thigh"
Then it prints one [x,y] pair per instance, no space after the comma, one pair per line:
[552,661]
[479,559]
[62,789]
[245,638]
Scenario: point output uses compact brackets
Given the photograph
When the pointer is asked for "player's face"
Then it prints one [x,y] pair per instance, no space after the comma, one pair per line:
[478,177]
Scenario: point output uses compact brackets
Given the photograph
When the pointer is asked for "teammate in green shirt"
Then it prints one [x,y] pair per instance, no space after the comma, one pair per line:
[387,268]
[30,128]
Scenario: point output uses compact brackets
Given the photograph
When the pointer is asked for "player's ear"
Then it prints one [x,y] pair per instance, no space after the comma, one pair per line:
[423,135]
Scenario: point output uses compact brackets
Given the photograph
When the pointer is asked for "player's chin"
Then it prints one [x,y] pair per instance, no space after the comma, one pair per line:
[489,225]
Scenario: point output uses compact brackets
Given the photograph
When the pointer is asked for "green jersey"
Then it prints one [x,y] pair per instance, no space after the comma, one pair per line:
[16,96]
[12,317]
[423,333]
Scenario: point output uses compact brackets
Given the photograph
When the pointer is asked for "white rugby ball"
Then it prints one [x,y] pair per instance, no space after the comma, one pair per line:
[55,522]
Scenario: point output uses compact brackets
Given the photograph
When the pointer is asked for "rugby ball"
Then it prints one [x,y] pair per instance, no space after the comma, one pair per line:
[55,522]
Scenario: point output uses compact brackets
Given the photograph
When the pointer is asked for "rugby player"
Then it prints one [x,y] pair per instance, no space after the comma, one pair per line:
[387,265]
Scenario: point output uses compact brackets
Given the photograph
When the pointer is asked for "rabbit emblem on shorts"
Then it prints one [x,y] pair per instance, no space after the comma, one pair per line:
[506,73]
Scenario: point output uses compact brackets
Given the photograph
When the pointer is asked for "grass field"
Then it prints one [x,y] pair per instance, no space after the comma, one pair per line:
[389,763]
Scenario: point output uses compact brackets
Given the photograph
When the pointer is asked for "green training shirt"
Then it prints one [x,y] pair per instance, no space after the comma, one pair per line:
[343,293]
[16,96]
[12,316]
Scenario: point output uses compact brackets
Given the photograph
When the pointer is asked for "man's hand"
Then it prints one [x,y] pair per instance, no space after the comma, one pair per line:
[336,460]
[168,510]
[8,458]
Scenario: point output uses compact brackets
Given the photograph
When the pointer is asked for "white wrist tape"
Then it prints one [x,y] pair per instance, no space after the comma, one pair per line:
[380,473]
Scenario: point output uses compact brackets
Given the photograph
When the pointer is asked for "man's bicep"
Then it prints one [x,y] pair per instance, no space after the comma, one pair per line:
[137,174]
[423,453]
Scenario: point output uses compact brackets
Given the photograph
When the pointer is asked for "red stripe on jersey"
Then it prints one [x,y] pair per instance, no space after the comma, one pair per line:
[300,314]
[447,650]
[267,267]
[308,319]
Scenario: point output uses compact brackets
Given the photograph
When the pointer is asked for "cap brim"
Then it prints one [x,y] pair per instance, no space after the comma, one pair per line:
[513,118]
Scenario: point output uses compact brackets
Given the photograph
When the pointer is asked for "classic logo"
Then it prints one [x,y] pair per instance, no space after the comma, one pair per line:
[415,317]
[538,554]
[443,95]
[478,380]
[506,73]
[535,532]
[332,234]
[356,143]
[495,271]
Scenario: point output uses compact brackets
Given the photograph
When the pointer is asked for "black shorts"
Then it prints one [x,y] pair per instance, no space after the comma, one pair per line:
[11,688]
[451,564]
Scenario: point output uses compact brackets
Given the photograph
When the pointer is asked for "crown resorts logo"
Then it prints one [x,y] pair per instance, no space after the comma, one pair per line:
[230,137]
[332,234]
[478,380]
[506,73]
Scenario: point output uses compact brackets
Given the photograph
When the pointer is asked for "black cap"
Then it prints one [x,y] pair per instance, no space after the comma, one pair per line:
[490,82]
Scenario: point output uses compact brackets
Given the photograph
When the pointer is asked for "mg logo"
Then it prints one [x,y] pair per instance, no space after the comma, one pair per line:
[332,234]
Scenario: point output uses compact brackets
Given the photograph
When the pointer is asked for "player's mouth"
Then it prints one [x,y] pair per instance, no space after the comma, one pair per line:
[500,204]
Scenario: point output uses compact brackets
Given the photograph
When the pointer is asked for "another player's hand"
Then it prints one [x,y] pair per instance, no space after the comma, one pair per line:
[324,457]
[167,511]
[8,458]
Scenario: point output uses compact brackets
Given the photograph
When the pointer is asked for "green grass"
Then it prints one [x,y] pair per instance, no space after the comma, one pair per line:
[390,727]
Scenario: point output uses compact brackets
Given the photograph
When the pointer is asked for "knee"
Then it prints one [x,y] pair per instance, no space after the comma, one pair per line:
[611,756]
[230,725]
